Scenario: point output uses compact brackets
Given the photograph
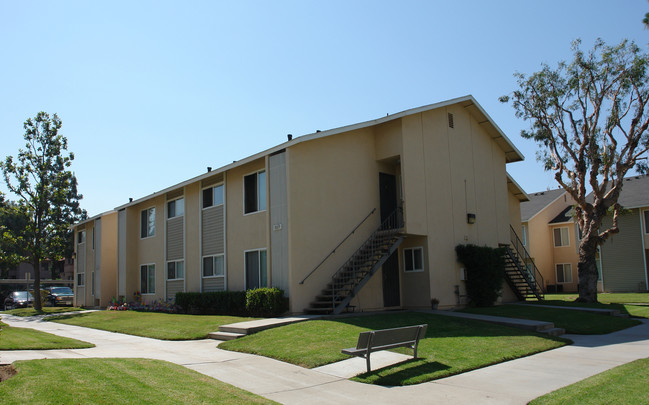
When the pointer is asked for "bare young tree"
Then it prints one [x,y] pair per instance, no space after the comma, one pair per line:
[590,119]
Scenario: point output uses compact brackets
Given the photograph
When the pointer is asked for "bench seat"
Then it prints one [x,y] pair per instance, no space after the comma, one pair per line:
[385,339]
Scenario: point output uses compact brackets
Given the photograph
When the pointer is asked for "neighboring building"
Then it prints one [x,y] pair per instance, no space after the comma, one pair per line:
[95,275]
[549,236]
[293,215]
[624,256]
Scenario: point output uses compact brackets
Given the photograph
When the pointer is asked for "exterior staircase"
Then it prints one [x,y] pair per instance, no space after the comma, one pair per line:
[359,268]
[521,273]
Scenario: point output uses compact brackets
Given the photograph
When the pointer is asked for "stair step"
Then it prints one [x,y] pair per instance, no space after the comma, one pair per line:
[554,331]
[224,335]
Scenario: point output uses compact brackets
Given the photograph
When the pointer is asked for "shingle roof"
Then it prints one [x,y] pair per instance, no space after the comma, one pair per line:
[635,192]
[537,202]
[564,216]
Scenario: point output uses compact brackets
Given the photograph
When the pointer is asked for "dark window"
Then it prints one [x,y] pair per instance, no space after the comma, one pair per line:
[255,192]
[213,196]
[147,279]
[176,208]
[147,225]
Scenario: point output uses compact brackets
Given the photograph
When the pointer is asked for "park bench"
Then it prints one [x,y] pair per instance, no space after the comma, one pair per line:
[384,339]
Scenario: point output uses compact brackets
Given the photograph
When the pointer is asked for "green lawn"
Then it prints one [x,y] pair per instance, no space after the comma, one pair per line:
[46,310]
[578,322]
[151,324]
[29,339]
[606,298]
[622,302]
[625,384]
[452,345]
[116,381]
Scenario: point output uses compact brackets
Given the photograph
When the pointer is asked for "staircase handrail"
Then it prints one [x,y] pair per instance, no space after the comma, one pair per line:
[338,245]
[525,256]
[393,223]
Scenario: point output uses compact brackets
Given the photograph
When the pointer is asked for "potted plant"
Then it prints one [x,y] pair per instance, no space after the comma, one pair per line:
[434,302]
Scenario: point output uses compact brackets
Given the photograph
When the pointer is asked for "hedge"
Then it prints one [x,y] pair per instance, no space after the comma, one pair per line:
[485,268]
[260,302]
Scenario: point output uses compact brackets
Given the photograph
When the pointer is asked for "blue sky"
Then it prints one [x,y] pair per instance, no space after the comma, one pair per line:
[152,92]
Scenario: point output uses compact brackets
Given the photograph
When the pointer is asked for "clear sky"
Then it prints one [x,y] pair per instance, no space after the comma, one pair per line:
[152,92]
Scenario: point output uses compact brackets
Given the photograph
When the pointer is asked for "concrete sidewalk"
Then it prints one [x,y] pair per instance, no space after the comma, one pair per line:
[514,382]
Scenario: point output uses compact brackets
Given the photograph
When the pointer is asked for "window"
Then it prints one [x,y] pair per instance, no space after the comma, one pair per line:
[213,196]
[81,237]
[254,198]
[646,221]
[92,283]
[92,233]
[524,235]
[561,237]
[147,279]
[564,273]
[413,259]
[81,279]
[147,224]
[255,262]
[176,270]
[214,266]
[176,208]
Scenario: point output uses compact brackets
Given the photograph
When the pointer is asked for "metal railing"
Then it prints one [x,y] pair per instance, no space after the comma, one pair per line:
[338,245]
[531,273]
[366,255]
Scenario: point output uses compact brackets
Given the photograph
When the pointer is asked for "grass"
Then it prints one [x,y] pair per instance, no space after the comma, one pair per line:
[451,346]
[150,324]
[625,384]
[116,381]
[577,322]
[46,310]
[29,339]
[622,302]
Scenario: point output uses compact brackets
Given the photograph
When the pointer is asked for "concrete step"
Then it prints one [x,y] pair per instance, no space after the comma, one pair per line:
[224,335]
[554,331]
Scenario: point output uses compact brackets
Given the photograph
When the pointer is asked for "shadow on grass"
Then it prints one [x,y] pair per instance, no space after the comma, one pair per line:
[402,373]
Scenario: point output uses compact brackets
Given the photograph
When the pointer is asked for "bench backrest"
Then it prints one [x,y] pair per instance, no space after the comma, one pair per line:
[383,337]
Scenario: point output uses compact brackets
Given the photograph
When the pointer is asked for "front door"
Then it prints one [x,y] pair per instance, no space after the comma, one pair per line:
[391,297]
[388,195]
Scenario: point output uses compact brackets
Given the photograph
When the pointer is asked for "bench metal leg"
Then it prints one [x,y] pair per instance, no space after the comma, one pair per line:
[367,360]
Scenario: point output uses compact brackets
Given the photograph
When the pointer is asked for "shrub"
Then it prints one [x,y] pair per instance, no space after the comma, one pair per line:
[212,303]
[485,268]
[265,302]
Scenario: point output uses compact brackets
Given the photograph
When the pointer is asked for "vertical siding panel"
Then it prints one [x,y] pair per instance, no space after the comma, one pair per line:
[622,256]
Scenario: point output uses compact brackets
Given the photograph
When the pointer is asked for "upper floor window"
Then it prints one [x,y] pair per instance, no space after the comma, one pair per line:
[147,224]
[176,208]
[81,236]
[254,198]
[213,196]
[646,221]
[561,237]
[524,235]
[413,259]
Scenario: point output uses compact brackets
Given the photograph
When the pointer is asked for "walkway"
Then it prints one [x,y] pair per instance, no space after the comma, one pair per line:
[514,382]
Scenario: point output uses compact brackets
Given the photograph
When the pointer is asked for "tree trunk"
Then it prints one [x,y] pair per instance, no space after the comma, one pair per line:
[587,271]
[38,305]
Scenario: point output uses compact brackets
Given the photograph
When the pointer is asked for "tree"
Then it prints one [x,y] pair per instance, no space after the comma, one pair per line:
[590,118]
[47,191]
[12,242]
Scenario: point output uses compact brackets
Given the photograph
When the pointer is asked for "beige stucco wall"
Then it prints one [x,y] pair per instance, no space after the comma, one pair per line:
[463,171]
[243,231]
[108,283]
[333,183]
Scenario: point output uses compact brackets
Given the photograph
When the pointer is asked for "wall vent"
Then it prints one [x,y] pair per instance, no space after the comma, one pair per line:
[450,120]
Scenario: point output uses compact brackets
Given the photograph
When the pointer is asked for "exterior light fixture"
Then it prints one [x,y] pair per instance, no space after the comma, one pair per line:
[470,218]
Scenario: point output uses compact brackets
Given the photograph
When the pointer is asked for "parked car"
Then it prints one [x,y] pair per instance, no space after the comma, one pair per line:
[61,296]
[18,299]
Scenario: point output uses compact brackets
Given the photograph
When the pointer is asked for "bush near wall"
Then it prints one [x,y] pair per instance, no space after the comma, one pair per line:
[485,268]
[257,302]
[266,302]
